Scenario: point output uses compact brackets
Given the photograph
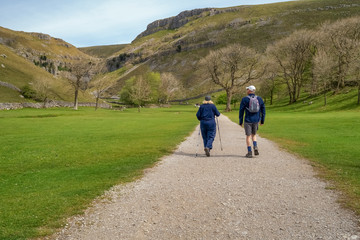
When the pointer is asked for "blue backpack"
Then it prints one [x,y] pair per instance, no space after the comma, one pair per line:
[254,105]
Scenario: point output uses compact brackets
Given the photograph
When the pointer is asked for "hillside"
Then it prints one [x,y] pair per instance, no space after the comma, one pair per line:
[175,44]
[29,58]
[102,51]
[178,46]
[43,50]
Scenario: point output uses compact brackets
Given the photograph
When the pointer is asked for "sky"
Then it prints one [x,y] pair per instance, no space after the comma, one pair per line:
[85,23]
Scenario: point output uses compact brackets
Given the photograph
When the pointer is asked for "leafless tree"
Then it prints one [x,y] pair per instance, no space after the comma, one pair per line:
[43,90]
[340,40]
[324,66]
[293,55]
[231,67]
[169,87]
[78,77]
[140,92]
[269,80]
[355,70]
[99,85]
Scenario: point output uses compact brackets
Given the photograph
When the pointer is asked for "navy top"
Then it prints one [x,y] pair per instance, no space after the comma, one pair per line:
[251,117]
[207,112]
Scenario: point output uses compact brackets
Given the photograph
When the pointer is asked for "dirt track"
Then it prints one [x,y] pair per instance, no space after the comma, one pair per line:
[226,196]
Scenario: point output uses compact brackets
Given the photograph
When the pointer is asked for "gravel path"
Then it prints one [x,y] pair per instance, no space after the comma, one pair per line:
[226,196]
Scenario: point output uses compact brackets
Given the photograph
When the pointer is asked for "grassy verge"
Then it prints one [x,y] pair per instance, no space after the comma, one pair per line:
[54,162]
[330,139]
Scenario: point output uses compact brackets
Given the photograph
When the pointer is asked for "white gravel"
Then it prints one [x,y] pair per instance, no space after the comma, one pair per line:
[226,196]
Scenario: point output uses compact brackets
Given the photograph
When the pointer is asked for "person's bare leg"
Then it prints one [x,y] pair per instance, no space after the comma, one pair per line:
[248,142]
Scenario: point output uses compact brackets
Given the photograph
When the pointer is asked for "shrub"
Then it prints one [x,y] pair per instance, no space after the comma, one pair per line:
[28,92]
[221,99]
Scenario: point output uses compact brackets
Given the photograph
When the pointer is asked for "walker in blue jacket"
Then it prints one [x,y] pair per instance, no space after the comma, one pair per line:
[206,115]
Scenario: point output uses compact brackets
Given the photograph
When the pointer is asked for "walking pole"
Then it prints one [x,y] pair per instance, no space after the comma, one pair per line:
[197,144]
[217,120]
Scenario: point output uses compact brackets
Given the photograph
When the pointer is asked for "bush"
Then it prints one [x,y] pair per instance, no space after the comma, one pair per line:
[28,92]
[221,99]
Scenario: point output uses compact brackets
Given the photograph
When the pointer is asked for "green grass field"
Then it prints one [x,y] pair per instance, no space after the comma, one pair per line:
[54,162]
[328,136]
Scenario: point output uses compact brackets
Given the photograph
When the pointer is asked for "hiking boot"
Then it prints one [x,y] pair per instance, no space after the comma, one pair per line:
[207,152]
[256,150]
[249,155]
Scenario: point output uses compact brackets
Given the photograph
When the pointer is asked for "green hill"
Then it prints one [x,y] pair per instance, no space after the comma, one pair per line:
[178,50]
[103,51]
[180,43]
[20,72]
[28,58]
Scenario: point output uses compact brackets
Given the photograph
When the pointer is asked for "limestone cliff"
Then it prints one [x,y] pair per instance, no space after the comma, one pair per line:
[172,22]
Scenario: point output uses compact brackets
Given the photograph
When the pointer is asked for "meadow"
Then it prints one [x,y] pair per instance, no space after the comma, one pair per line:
[54,162]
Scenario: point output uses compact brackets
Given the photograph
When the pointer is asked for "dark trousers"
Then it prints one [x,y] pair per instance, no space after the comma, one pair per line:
[208,132]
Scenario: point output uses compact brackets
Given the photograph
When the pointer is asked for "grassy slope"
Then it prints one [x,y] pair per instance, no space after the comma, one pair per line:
[55,162]
[103,51]
[20,72]
[268,23]
[328,136]
[53,47]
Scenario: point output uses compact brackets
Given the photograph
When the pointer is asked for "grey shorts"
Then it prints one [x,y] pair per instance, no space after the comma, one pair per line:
[251,128]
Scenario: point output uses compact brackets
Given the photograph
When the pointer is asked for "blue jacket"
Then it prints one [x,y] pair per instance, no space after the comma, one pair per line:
[251,117]
[207,112]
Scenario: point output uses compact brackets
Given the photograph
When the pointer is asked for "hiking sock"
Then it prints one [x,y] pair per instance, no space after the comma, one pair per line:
[249,149]
[255,143]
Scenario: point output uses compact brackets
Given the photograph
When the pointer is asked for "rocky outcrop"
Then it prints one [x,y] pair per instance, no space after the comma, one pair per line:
[48,53]
[41,36]
[117,62]
[173,22]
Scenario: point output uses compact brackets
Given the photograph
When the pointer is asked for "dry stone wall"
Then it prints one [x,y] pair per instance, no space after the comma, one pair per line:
[50,104]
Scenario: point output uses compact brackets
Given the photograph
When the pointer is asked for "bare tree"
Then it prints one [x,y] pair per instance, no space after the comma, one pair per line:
[78,77]
[269,80]
[100,85]
[340,40]
[355,70]
[324,65]
[293,55]
[169,87]
[231,67]
[140,92]
[43,90]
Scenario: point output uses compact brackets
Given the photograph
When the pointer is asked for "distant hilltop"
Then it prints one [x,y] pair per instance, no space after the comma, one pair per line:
[181,19]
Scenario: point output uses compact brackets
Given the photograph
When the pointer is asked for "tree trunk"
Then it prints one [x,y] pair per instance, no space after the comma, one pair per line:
[293,96]
[271,96]
[358,103]
[139,108]
[45,100]
[228,100]
[325,102]
[76,102]
[298,92]
[289,91]
[97,103]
